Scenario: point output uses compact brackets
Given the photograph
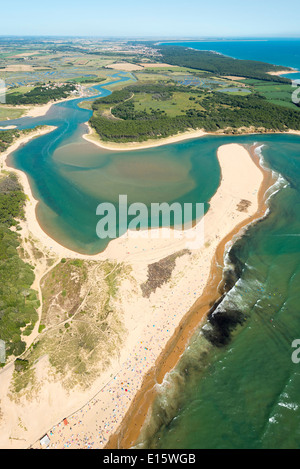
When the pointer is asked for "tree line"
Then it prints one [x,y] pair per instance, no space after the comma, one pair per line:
[18,302]
[40,94]
[221,111]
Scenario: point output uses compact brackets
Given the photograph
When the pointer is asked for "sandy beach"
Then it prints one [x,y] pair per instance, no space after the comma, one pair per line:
[294,132]
[138,413]
[36,110]
[93,137]
[283,72]
[19,142]
[96,414]
[40,110]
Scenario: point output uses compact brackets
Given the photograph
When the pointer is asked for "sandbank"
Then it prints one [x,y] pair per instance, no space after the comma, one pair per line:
[283,72]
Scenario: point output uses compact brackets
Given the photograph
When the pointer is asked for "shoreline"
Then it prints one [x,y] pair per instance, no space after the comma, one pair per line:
[41,110]
[32,224]
[293,132]
[188,281]
[120,249]
[136,417]
[177,297]
[37,110]
[133,420]
[93,137]
[9,127]
[18,143]
[31,201]
[283,72]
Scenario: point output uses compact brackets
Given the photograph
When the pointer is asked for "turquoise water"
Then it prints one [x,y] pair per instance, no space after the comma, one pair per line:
[234,390]
[284,52]
[243,392]
[238,387]
[71,176]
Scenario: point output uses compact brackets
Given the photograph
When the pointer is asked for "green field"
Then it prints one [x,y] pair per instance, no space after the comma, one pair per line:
[278,94]
[275,93]
[151,77]
[235,93]
[10,113]
[20,90]
[178,103]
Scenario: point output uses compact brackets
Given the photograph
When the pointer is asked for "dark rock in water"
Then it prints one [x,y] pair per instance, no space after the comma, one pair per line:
[229,279]
[223,323]
[193,367]
[235,260]
[231,276]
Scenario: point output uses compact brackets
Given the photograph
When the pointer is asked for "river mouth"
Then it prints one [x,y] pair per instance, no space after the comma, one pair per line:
[70,177]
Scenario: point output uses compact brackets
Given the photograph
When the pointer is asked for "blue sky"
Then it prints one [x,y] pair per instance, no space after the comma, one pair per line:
[165,18]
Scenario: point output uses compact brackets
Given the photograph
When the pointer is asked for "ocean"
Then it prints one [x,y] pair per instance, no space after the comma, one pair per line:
[285,52]
[244,393]
[241,392]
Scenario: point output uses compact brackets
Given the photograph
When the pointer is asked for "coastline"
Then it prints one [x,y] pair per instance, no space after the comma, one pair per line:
[19,142]
[120,248]
[9,127]
[30,202]
[293,132]
[283,72]
[188,281]
[92,137]
[114,410]
[123,249]
[38,110]
[132,424]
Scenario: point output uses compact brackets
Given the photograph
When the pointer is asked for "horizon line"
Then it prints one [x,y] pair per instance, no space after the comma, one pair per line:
[150,36]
